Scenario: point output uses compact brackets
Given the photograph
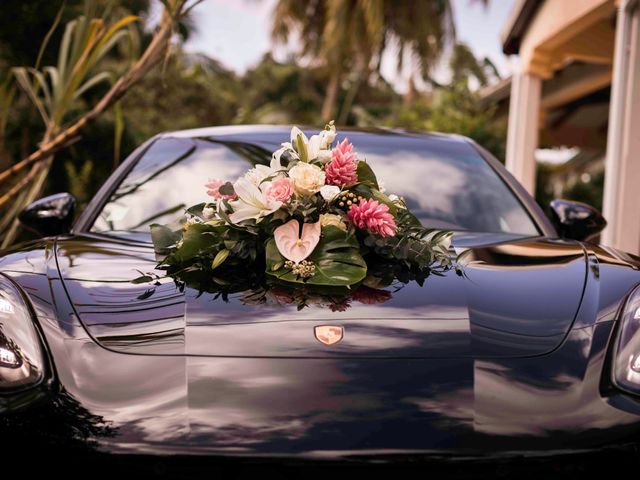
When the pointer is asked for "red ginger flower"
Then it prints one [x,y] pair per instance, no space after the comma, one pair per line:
[373,216]
[341,170]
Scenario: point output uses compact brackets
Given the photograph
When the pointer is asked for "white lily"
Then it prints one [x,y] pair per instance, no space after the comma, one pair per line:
[276,163]
[252,203]
[258,173]
[307,148]
[327,136]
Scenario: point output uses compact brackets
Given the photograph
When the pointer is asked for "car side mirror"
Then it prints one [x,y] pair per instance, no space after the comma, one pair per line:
[52,215]
[576,220]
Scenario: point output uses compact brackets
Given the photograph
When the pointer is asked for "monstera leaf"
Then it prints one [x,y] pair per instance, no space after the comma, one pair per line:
[336,257]
[366,175]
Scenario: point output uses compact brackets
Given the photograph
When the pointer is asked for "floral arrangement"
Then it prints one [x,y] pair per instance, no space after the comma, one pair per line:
[316,215]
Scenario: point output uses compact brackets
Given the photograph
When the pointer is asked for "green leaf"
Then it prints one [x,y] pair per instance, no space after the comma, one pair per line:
[147,293]
[336,257]
[196,209]
[195,241]
[219,259]
[366,175]
[163,237]
[142,279]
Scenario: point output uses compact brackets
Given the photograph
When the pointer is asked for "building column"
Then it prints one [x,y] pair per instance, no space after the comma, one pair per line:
[621,202]
[522,133]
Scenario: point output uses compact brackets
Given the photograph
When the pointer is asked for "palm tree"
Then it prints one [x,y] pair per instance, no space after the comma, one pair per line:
[56,91]
[464,65]
[350,36]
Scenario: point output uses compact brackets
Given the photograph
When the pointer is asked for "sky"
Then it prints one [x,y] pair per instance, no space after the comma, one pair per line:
[236,32]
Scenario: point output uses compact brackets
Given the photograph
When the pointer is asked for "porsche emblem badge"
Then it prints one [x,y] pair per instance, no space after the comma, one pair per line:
[328,334]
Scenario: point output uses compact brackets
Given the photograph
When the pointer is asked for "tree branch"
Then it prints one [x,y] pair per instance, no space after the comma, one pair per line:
[154,53]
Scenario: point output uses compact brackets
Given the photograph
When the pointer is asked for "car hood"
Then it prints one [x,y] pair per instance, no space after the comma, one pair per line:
[516,298]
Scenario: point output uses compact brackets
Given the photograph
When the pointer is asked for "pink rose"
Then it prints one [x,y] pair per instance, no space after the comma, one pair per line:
[280,189]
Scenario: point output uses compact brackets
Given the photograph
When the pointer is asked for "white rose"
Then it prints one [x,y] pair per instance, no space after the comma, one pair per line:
[329,192]
[307,178]
[330,219]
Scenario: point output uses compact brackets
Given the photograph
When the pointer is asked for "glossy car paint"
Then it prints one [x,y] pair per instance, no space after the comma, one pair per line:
[510,358]
[451,316]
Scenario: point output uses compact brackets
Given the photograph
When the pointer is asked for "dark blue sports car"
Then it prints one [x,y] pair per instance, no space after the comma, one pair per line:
[533,351]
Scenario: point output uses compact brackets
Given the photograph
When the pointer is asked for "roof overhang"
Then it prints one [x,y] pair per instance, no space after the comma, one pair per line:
[517,24]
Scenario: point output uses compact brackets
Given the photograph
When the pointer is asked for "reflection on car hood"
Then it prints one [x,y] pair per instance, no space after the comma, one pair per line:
[516,298]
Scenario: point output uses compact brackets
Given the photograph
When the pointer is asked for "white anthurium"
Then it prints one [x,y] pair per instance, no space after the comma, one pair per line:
[329,192]
[252,203]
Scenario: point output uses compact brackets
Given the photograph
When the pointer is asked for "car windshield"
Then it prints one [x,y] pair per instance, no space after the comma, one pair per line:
[444,181]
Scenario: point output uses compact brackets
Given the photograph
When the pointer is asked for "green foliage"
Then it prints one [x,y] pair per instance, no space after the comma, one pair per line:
[194,90]
[459,110]
[274,92]
[336,257]
[464,66]
[199,245]
[54,89]
[417,246]
[575,188]
[24,24]
[350,37]
[588,192]
[79,178]
[188,92]
[7,97]
[366,175]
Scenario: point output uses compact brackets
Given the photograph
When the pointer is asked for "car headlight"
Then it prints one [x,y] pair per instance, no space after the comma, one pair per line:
[22,361]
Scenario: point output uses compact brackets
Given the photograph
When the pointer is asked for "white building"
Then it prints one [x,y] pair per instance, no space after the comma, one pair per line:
[573,53]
